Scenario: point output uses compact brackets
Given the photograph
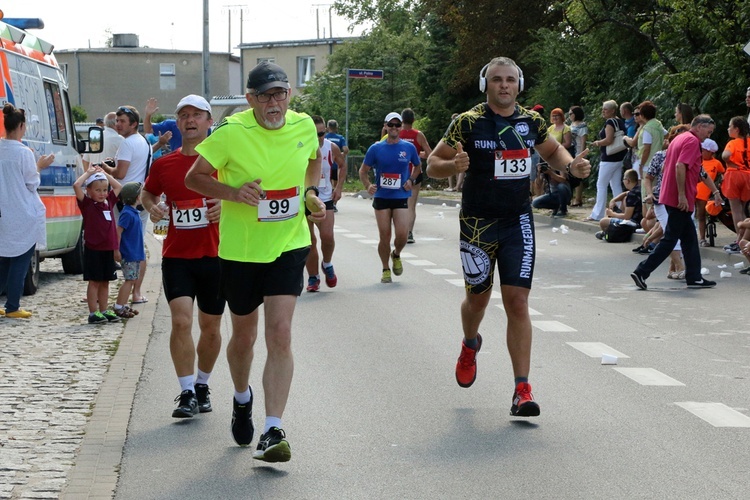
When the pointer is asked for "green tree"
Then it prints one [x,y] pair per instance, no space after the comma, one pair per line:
[79,114]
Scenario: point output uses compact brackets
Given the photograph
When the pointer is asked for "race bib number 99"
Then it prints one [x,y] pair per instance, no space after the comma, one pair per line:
[279,205]
[512,164]
[189,214]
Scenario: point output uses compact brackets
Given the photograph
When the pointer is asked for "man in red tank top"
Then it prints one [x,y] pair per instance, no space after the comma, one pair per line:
[417,138]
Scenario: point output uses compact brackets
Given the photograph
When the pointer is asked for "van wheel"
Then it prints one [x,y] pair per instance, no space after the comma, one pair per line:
[31,283]
[72,262]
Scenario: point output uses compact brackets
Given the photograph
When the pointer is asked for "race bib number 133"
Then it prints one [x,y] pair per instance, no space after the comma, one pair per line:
[512,164]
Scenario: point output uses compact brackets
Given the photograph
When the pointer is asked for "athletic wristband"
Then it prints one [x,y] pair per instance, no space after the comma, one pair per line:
[312,188]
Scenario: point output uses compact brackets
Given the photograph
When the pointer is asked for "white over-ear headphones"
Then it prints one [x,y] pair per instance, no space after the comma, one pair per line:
[483,79]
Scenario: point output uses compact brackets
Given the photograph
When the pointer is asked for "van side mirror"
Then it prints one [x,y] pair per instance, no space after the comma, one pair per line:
[96,140]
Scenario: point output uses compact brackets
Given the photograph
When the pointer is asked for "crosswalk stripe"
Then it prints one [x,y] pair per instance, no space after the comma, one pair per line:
[596,349]
[649,376]
[716,414]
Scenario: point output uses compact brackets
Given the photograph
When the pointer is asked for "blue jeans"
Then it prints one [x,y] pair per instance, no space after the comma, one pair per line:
[557,199]
[12,275]
[680,227]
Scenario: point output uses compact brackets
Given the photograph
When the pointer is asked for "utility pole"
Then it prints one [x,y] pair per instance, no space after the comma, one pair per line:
[241,9]
[317,19]
[206,54]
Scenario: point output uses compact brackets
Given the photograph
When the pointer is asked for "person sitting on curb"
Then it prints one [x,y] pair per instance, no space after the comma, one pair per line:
[633,209]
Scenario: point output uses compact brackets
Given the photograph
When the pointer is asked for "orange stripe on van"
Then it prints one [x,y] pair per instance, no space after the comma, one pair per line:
[61,206]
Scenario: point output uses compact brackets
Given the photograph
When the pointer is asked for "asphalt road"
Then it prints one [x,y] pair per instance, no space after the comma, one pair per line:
[375,411]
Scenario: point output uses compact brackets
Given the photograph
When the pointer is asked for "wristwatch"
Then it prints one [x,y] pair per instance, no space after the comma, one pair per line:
[312,188]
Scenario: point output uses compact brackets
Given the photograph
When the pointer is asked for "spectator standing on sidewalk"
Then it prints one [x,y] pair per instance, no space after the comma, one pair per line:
[22,213]
[682,167]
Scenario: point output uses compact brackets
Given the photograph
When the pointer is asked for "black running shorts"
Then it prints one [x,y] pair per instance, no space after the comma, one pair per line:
[98,265]
[244,284]
[390,203]
[193,278]
[507,242]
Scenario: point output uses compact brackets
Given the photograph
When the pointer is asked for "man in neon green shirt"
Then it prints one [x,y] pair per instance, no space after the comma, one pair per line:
[265,164]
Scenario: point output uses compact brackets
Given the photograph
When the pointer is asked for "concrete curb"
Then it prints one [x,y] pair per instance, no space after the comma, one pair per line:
[97,468]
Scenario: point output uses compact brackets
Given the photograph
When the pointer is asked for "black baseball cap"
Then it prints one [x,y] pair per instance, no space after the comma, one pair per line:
[267,75]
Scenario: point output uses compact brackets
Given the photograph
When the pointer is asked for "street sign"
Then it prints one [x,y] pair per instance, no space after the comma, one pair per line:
[375,74]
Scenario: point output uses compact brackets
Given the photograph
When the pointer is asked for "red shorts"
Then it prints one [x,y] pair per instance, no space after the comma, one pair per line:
[736,184]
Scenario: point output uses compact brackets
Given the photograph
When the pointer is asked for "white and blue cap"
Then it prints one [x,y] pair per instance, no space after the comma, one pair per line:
[393,115]
[710,145]
[98,176]
[195,101]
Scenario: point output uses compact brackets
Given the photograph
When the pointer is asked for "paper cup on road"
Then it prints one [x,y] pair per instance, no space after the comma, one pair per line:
[705,271]
[725,274]
[555,229]
[739,265]
[722,266]
[609,359]
[553,242]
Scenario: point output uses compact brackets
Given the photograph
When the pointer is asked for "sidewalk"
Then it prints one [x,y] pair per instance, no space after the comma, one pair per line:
[97,463]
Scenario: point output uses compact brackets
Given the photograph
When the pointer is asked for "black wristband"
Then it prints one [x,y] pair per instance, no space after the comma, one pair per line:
[312,188]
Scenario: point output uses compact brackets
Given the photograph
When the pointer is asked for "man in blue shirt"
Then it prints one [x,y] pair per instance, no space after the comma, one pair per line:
[152,106]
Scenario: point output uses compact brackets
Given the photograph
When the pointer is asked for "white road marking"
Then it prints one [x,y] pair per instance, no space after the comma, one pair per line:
[355,235]
[649,376]
[456,282]
[420,262]
[440,271]
[369,242]
[552,326]
[407,255]
[596,349]
[421,238]
[716,414]
[339,230]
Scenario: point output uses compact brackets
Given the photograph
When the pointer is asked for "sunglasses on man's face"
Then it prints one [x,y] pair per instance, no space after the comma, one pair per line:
[394,125]
[321,134]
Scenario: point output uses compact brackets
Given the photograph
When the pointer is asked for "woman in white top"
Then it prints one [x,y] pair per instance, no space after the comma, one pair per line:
[22,213]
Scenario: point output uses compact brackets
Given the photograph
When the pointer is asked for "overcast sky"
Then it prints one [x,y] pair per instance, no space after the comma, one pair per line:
[177,24]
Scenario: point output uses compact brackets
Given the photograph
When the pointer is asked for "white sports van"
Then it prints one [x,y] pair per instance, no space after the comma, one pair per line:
[31,79]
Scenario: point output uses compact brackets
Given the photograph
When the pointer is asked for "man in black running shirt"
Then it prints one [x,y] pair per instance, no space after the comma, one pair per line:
[492,143]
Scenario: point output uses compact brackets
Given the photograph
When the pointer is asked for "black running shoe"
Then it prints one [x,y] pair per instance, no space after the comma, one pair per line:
[704,283]
[187,405]
[204,402]
[273,447]
[242,422]
[640,282]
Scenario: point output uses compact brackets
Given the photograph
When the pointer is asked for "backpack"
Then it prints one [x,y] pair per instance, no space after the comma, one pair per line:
[620,233]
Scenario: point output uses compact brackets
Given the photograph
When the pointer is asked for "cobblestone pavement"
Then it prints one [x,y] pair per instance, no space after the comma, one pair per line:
[52,365]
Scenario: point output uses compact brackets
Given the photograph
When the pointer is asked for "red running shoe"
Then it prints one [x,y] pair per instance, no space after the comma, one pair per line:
[466,366]
[331,278]
[523,402]
[313,284]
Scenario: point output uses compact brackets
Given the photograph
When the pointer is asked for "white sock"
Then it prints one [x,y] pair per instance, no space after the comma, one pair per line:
[326,265]
[202,377]
[272,422]
[186,383]
[118,307]
[242,397]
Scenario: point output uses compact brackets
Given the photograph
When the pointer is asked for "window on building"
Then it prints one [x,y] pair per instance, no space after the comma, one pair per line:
[166,69]
[167,76]
[56,114]
[271,60]
[305,70]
